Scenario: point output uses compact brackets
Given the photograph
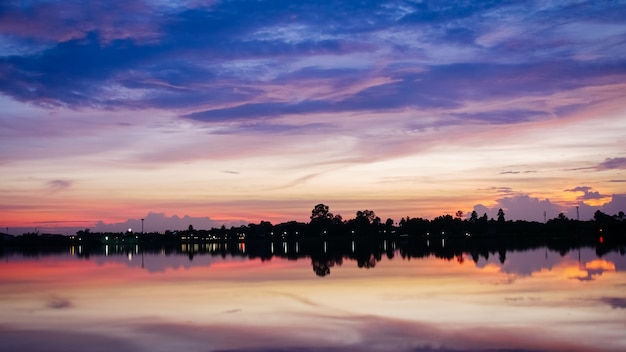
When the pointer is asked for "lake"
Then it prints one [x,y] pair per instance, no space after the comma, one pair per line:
[211,297]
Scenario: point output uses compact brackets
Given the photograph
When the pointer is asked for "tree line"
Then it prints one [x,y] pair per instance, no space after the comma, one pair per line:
[323,224]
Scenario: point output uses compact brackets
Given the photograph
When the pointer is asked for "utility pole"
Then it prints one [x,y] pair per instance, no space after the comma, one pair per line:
[577,214]
[544,217]
[142,226]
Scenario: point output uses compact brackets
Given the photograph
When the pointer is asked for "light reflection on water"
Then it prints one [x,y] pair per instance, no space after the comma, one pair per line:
[206,299]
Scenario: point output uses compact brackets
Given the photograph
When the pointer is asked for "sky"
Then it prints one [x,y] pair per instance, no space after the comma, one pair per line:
[229,112]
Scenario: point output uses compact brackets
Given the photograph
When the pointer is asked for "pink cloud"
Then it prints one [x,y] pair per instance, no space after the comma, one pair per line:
[63,21]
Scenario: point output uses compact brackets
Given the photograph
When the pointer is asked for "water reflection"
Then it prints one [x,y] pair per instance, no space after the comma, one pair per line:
[518,258]
[264,296]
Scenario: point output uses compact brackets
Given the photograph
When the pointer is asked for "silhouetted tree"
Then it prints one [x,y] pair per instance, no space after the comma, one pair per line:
[365,222]
[368,215]
[322,220]
[320,213]
[501,215]
[474,217]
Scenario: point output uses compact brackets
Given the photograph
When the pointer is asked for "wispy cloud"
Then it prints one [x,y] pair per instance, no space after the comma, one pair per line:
[58,185]
[587,193]
[56,302]
[615,302]
[515,172]
[612,163]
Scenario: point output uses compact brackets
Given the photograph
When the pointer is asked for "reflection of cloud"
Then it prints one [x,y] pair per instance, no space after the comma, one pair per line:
[538,261]
[298,298]
[523,301]
[231,311]
[68,341]
[615,302]
[160,263]
[58,303]
[352,333]
[600,264]
[591,270]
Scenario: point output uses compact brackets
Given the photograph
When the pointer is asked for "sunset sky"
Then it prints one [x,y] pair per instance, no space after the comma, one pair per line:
[210,112]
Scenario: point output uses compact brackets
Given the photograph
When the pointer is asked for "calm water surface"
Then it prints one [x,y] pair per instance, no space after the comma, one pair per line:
[537,300]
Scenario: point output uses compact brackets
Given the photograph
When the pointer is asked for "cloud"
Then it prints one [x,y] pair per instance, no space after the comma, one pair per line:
[615,205]
[579,189]
[501,191]
[160,222]
[615,302]
[612,164]
[55,302]
[503,116]
[593,195]
[588,194]
[57,22]
[521,207]
[58,185]
[228,52]
[512,172]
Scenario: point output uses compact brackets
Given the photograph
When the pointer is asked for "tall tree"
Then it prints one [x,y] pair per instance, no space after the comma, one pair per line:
[501,215]
[320,213]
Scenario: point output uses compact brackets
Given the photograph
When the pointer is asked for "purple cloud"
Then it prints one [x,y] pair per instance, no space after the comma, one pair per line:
[615,302]
[612,164]
[617,204]
[56,302]
[227,52]
[521,207]
[587,193]
[161,222]
[58,185]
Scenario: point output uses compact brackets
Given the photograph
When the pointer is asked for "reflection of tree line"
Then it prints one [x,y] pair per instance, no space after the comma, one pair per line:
[325,254]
